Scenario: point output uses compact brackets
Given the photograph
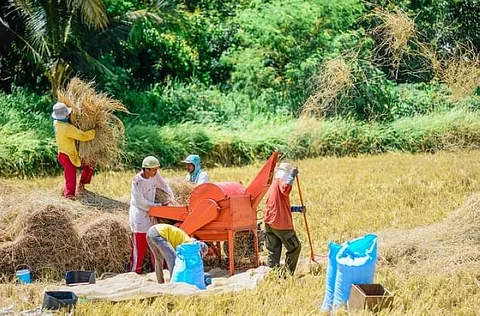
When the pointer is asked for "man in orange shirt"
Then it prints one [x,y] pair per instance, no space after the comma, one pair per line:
[278,219]
[66,134]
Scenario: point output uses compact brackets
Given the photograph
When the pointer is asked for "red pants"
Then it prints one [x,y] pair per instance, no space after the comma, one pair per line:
[70,173]
[139,250]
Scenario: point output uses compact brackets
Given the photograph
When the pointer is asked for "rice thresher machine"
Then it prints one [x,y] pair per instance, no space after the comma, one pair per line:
[218,210]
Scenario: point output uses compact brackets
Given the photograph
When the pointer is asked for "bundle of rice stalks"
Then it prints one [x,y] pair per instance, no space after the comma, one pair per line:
[455,241]
[48,245]
[92,110]
[182,189]
[335,77]
[106,245]
[396,29]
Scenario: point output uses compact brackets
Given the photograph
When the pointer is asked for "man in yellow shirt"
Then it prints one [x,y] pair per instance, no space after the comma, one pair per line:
[66,134]
[163,240]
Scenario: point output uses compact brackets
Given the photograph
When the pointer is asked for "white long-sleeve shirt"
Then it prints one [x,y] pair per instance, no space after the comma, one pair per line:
[142,198]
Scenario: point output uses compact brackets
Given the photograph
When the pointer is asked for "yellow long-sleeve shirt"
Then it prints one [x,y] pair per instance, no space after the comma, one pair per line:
[65,135]
[174,235]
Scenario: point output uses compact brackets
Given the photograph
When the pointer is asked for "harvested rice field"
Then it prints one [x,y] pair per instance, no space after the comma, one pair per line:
[424,208]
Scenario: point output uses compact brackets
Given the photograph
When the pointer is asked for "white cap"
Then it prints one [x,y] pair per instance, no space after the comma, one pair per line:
[61,111]
[283,170]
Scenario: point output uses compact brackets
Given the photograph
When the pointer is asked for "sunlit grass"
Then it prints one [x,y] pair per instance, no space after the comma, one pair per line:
[346,197]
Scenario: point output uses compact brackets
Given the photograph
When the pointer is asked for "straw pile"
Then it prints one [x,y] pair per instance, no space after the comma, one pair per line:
[92,110]
[182,189]
[54,239]
[334,78]
[455,241]
[106,245]
[48,245]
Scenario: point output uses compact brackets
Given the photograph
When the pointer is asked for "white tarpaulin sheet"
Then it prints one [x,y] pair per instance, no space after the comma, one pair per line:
[129,286]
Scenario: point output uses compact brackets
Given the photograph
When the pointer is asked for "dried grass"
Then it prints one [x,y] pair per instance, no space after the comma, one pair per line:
[54,239]
[457,68]
[395,30]
[182,189]
[93,110]
[335,77]
[452,242]
[48,245]
[106,245]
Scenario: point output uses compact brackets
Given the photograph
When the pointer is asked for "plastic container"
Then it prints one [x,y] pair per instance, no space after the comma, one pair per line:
[189,265]
[54,300]
[80,277]
[23,276]
[207,278]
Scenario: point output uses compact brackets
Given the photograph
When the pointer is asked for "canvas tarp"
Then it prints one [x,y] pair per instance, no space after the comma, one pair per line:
[127,286]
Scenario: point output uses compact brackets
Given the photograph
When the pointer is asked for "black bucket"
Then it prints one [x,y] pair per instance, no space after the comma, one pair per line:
[80,277]
[59,299]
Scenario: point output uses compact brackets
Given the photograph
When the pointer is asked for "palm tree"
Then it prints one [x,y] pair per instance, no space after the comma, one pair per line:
[65,36]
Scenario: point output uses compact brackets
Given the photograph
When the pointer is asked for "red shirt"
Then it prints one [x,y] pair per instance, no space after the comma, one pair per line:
[277,211]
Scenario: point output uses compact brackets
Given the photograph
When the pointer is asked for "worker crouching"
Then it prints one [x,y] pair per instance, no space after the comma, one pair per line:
[163,240]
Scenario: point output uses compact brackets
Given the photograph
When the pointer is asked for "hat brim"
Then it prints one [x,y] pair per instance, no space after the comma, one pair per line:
[187,161]
[57,117]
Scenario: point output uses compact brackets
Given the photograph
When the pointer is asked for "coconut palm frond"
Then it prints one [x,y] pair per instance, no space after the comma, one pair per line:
[83,60]
[93,11]
[37,57]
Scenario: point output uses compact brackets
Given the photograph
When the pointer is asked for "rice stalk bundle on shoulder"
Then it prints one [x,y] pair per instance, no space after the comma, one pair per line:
[95,110]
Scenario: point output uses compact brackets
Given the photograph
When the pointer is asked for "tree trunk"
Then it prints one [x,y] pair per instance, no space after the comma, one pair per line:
[58,74]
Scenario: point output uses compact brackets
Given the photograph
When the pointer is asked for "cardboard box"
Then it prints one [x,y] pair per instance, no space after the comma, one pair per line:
[369,296]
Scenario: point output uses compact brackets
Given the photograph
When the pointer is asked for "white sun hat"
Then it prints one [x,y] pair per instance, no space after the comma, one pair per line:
[61,111]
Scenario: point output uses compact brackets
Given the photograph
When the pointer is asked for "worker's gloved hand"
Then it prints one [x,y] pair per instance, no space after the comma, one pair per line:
[297,208]
[292,176]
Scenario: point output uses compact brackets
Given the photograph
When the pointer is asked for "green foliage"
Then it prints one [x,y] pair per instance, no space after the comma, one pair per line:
[281,43]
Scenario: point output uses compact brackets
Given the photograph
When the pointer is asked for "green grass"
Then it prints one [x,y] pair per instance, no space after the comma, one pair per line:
[346,197]
[26,151]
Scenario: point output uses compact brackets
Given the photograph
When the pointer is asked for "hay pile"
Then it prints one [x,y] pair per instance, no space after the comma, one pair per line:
[182,189]
[455,241]
[55,238]
[106,245]
[92,110]
[48,244]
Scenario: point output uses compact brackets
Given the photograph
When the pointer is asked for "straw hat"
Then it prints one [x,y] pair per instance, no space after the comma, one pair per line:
[61,111]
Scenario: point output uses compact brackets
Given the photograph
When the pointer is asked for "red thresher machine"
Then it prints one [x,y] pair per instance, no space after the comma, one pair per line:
[218,210]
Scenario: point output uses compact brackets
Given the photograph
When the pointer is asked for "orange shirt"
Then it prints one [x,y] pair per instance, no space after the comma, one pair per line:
[277,211]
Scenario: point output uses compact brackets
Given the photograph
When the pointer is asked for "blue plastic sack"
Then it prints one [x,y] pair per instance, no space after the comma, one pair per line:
[189,265]
[333,249]
[355,265]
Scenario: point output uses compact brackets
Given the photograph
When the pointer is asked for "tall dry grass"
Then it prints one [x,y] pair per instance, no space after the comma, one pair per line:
[346,197]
